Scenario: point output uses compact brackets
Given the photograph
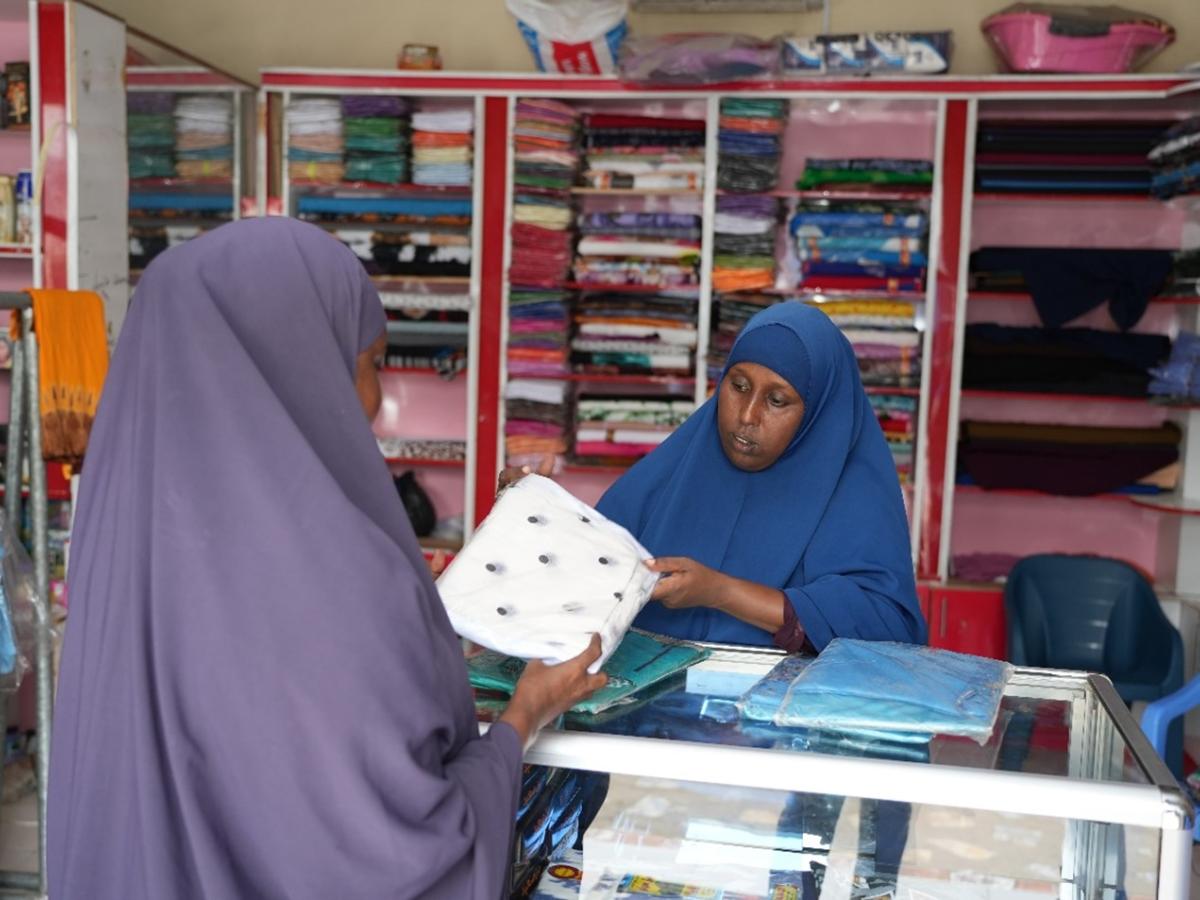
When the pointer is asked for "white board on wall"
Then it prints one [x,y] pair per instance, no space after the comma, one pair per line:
[97,161]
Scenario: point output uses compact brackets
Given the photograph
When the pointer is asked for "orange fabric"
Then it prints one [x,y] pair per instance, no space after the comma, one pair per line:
[442,139]
[742,279]
[72,363]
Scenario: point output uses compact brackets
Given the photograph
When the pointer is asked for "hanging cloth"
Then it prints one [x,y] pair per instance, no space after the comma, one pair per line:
[72,364]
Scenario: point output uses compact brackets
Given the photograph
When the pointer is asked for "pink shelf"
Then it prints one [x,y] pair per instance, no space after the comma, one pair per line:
[1017,296]
[372,187]
[846,193]
[623,288]
[1024,492]
[665,380]
[1050,396]
[427,463]
[996,197]
[419,370]
[1166,503]
[574,469]
[802,294]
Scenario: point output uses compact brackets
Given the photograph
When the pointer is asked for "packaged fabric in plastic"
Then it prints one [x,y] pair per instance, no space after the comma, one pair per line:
[698,58]
[880,686]
[575,37]
[543,573]
[18,617]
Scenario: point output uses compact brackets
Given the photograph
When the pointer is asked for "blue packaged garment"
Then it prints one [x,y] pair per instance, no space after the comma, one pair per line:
[884,687]
[761,703]
[8,644]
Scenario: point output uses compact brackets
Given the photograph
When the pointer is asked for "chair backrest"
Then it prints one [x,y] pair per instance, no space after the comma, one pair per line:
[1083,612]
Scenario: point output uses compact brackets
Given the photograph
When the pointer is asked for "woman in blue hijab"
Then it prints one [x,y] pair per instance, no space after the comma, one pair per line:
[774,512]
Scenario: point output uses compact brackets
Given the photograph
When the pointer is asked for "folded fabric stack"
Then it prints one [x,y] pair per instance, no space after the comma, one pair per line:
[1070,460]
[1185,275]
[730,314]
[860,245]
[642,249]
[315,139]
[750,138]
[622,333]
[406,449]
[375,131]
[982,567]
[147,241]
[1060,360]
[1064,157]
[1065,283]
[537,420]
[442,143]
[1175,160]
[643,152]
[546,145]
[204,136]
[872,172]
[150,130]
[414,250]
[1179,377]
[427,339]
[612,430]
[884,337]
[897,417]
[744,239]
[538,331]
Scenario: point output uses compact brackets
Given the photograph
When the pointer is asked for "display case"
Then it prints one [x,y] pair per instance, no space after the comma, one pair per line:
[1065,799]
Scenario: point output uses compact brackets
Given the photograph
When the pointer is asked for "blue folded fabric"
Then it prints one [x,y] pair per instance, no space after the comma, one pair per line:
[879,686]
[396,206]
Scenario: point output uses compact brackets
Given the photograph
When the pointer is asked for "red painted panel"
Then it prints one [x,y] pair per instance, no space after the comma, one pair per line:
[935,428]
[486,371]
[52,82]
[969,620]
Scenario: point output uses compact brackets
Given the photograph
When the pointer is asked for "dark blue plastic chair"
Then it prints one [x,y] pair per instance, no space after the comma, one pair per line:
[1098,615]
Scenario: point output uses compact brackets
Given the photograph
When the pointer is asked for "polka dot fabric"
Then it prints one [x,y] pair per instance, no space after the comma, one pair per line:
[543,573]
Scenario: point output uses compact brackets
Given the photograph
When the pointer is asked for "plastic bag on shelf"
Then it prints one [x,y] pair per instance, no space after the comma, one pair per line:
[698,58]
[18,616]
[880,686]
[574,37]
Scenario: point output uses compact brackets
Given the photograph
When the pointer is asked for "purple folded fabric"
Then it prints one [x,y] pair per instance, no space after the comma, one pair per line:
[150,102]
[363,105]
[750,205]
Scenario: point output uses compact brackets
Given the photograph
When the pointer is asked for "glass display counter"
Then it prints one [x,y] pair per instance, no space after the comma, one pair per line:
[1066,799]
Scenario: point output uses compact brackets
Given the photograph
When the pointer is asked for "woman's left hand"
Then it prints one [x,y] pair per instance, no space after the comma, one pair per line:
[685,582]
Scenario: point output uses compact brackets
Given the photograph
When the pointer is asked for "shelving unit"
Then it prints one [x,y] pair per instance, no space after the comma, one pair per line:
[421,402]
[932,119]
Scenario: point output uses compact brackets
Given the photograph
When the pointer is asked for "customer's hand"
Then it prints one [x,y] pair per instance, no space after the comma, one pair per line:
[513,474]
[546,691]
[437,562]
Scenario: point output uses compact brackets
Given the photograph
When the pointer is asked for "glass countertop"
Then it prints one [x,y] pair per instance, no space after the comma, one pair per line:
[1049,723]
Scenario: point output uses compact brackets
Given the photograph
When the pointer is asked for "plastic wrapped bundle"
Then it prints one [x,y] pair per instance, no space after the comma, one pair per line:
[884,687]
[204,137]
[18,616]
[315,139]
[698,58]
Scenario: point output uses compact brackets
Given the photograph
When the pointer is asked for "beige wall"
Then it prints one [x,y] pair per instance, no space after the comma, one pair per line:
[243,36]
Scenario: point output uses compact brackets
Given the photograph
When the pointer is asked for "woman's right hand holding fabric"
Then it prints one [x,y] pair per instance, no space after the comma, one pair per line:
[544,692]
[513,474]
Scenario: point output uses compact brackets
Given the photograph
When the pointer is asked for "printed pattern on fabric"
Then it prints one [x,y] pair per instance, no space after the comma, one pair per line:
[543,573]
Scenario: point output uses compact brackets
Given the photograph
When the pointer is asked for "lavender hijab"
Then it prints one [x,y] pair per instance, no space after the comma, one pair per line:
[260,695]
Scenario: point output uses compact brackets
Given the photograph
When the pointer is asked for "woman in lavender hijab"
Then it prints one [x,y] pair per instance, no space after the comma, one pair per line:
[260,695]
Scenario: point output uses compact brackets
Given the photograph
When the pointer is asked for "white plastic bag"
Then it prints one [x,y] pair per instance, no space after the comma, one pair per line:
[574,37]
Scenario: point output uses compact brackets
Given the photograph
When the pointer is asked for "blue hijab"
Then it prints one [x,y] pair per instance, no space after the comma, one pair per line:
[825,523]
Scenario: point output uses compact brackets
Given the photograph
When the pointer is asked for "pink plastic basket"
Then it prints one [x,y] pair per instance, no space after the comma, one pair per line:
[1025,43]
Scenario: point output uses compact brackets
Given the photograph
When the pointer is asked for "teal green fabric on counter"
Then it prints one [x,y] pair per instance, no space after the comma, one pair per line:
[638,662]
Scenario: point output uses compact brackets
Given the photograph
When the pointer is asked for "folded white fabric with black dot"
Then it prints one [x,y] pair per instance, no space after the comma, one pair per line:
[543,573]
